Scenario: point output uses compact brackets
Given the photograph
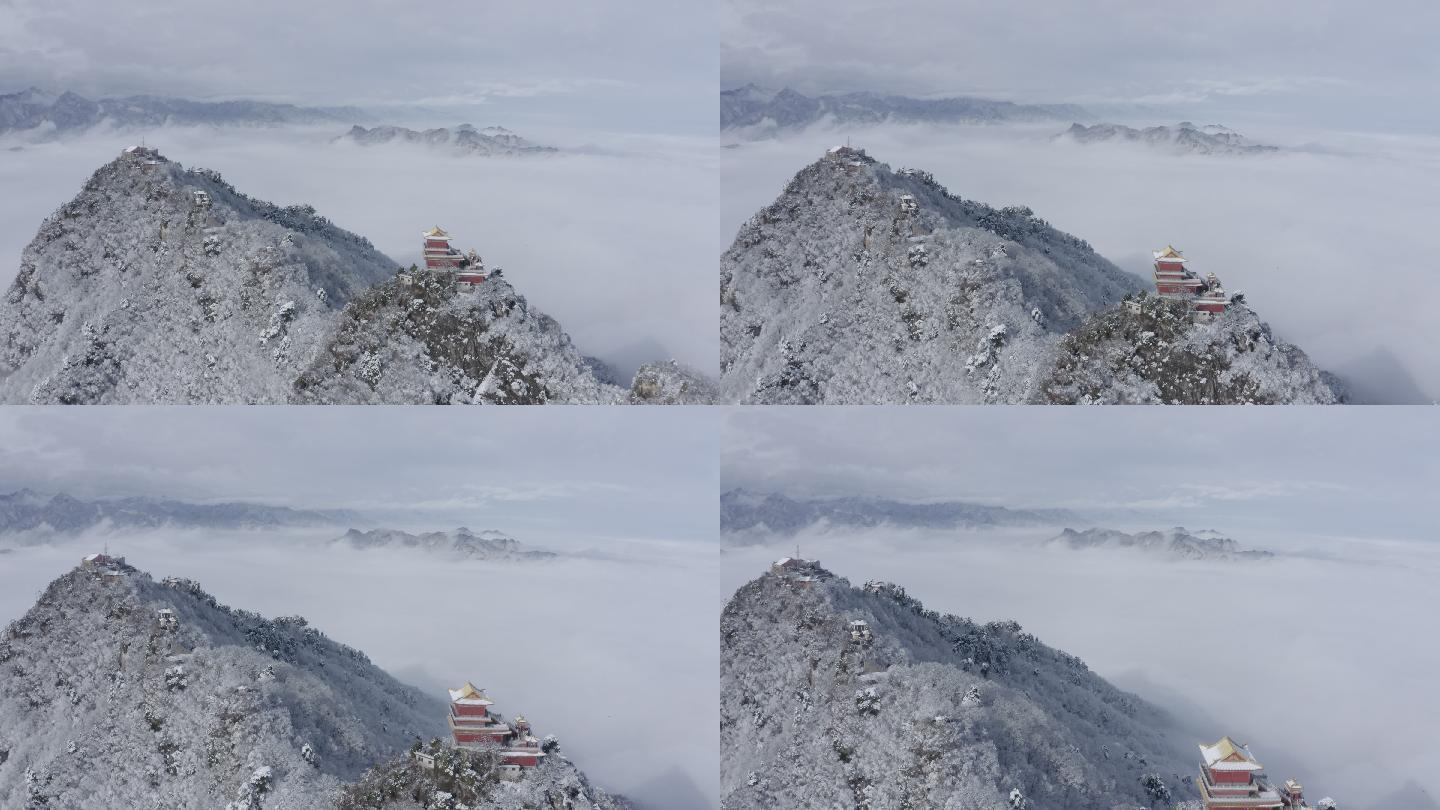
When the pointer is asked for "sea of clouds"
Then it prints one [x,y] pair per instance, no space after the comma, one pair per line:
[1319,659]
[1327,239]
[613,238]
[611,653]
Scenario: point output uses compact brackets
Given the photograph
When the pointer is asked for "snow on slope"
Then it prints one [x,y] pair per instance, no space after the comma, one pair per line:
[470,779]
[1149,351]
[103,705]
[137,291]
[860,285]
[427,341]
[931,711]
[843,292]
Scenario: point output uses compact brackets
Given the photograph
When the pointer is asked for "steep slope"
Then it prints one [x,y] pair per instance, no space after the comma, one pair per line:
[28,512]
[1183,138]
[463,140]
[421,338]
[486,544]
[1177,542]
[763,112]
[1148,350]
[746,515]
[472,779]
[107,702]
[159,284]
[862,285]
[928,711]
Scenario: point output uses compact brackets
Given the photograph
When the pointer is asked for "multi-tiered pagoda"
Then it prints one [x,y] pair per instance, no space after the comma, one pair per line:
[474,725]
[1173,279]
[439,254]
[1231,777]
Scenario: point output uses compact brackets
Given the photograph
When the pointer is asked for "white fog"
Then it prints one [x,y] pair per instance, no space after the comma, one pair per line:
[613,635]
[1320,658]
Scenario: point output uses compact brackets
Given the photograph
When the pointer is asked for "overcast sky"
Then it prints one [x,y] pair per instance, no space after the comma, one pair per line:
[1331,470]
[640,65]
[1332,63]
[642,472]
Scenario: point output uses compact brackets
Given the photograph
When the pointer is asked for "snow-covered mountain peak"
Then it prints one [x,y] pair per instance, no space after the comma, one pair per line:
[863,285]
[161,284]
[121,691]
[843,696]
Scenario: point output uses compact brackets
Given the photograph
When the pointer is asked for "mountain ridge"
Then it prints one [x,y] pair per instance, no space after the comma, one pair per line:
[192,708]
[1182,138]
[461,543]
[911,708]
[773,513]
[767,112]
[1178,543]
[65,113]
[463,140]
[866,285]
[29,511]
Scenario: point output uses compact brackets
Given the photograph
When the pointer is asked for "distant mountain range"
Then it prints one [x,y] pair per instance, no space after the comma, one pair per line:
[463,140]
[487,544]
[69,113]
[1177,542]
[762,112]
[26,511]
[746,515]
[1184,137]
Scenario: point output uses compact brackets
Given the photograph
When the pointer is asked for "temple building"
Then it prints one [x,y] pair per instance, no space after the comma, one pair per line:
[1174,280]
[1231,777]
[474,725]
[439,254]
[471,723]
